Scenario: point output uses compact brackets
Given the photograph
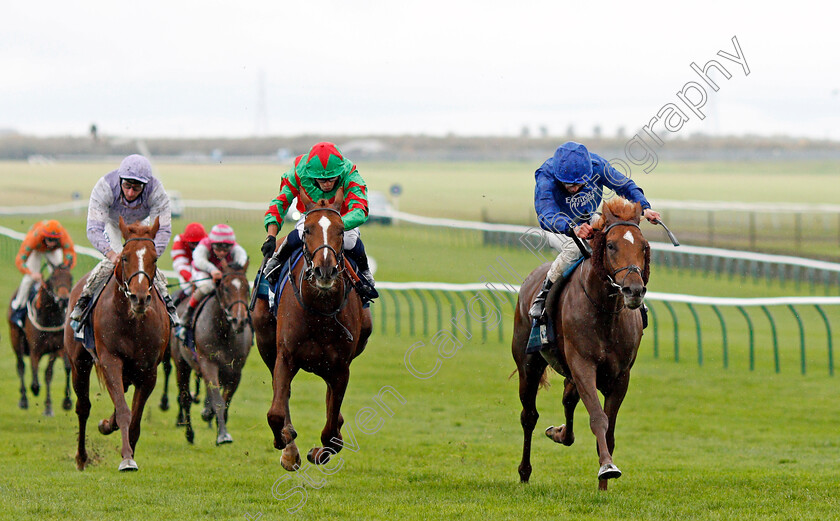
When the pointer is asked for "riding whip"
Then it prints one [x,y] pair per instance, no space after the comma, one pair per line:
[671,236]
[257,284]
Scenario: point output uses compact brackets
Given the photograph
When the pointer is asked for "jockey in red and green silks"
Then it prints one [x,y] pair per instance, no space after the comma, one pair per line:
[319,173]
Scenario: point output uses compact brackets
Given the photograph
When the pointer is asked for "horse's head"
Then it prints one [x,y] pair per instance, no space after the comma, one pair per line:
[323,240]
[620,252]
[233,292]
[59,284]
[136,267]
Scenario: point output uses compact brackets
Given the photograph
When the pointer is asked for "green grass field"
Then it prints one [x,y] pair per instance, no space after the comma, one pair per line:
[694,442]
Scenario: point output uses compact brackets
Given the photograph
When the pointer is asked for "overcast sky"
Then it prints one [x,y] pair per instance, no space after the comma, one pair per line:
[190,68]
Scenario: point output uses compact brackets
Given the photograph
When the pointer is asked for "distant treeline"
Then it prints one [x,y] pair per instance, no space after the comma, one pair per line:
[407,148]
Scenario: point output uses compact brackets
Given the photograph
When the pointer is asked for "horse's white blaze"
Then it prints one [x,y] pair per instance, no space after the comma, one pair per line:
[629,237]
[140,253]
[325,225]
[236,283]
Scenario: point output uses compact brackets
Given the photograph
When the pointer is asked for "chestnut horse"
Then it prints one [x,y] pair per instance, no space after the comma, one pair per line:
[223,338]
[320,328]
[42,335]
[599,327]
[131,328]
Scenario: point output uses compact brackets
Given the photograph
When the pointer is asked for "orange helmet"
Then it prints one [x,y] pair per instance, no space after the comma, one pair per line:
[194,232]
[51,229]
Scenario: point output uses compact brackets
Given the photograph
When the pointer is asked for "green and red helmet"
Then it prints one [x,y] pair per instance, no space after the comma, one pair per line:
[323,161]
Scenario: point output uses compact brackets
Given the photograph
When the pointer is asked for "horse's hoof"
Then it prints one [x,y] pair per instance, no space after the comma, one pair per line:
[81,462]
[35,390]
[189,434]
[224,438]
[556,434]
[164,403]
[609,471]
[207,415]
[23,403]
[106,428]
[195,398]
[67,404]
[48,412]
[128,465]
[290,460]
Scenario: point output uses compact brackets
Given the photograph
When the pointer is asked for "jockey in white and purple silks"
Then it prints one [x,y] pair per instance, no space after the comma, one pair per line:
[569,189]
[133,193]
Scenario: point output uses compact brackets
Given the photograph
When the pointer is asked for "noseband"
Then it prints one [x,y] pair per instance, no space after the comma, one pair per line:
[127,281]
[308,256]
[226,309]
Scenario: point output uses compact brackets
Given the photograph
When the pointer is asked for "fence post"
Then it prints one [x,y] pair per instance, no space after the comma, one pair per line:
[676,330]
[699,339]
[828,335]
[752,336]
[723,334]
[425,312]
[655,331]
[752,230]
[801,337]
[775,337]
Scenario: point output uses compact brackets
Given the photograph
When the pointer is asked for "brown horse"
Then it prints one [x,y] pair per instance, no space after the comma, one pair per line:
[223,338]
[131,328]
[320,328]
[42,335]
[599,327]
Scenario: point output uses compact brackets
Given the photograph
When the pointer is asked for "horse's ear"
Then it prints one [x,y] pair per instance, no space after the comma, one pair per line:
[155,226]
[339,199]
[637,218]
[123,228]
[247,262]
[308,203]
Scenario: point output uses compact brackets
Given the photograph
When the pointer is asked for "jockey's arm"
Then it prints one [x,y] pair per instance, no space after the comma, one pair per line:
[159,208]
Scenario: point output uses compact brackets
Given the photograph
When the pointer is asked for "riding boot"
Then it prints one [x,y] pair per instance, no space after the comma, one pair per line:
[170,308]
[538,307]
[365,287]
[186,323]
[18,314]
[272,269]
[79,312]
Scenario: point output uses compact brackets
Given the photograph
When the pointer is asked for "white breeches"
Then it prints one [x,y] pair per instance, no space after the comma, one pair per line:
[33,263]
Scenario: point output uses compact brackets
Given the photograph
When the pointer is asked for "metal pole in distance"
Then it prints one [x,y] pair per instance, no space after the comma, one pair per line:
[676,330]
[828,336]
[407,296]
[723,337]
[801,337]
[655,331]
[396,312]
[752,336]
[699,339]
[775,337]
[425,308]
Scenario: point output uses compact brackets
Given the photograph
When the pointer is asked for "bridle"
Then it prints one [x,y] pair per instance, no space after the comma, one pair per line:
[307,274]
[228,309]
[308,256]
[126,281]
[631,268]
[47,287]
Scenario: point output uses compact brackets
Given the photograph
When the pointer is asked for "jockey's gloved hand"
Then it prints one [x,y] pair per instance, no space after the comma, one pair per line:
[268,246]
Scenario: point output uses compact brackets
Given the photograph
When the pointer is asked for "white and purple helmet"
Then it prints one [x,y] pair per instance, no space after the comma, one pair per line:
[136,168]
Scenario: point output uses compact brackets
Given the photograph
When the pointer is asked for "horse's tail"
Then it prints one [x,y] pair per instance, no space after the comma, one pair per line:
[544,383]
[101,376]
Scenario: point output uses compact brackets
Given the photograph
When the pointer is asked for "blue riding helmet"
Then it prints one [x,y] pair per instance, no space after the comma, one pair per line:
[572,163]
[136,168]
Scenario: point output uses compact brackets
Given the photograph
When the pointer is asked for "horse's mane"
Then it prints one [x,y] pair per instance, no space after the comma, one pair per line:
[623,210]
[138,229]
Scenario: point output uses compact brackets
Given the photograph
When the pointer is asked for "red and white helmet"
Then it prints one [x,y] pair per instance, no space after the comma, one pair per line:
[222,234]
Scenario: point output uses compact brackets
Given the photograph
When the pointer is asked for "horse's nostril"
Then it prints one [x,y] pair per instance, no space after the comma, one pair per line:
[644,290]
[626,291]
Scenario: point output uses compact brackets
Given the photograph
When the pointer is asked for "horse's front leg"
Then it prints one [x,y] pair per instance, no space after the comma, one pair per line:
[68,402]
[182,378]
[167,370]
[331,439]
[142,390]
[279,418]
[112,366]
[210,371]
[583,373]
[21,371]
[530,373]
[612,402]
[48,375]
[34,361]
[81,385]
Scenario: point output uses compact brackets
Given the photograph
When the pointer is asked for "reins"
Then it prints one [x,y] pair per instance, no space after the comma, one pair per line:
[124,286]
[632,268]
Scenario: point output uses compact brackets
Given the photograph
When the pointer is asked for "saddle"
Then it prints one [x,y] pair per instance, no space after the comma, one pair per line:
[544,334]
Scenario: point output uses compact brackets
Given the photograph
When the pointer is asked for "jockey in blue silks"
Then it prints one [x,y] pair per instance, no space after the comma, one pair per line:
[569,190]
